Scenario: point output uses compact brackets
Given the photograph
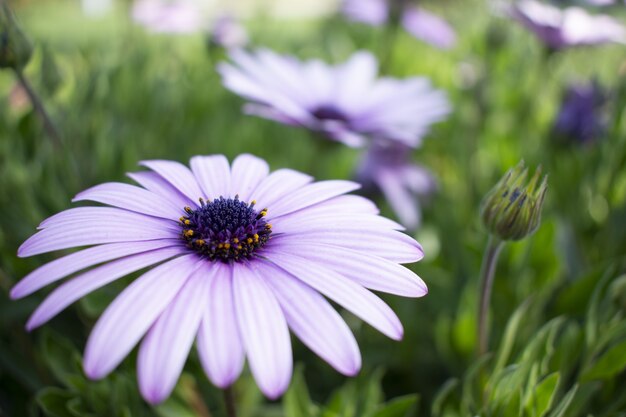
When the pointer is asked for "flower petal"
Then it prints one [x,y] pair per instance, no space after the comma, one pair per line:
[389,244]
[343,291]
[95,225]
[178,175]
[370,271]
[312,194]
[98,277]
[130,315]
[62,267]
[334,222]
[219,344]
[278,184]
[132,198]
[165,348]
[263,329]
[152,181]
[246,174]
[314,321]
[213,175]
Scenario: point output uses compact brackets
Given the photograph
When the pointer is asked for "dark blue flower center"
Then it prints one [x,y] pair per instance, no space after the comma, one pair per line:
[226,229]
[326,112]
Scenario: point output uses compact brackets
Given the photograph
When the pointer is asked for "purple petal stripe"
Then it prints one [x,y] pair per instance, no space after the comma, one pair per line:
[178,175]
[246,174]
[353,297]
[132,198]
[219,344]
[152,181]
[310,195]
[130,315]
[91,280]
[213,175]
[314,321]
[62,267]
[263,329]
[165,348]
[278,184]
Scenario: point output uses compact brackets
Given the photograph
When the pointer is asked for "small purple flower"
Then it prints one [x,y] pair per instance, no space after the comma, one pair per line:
[179,16]
[370,12]
[572,26]
[228,33]
[347,102]
[579,118]
[235,257]
[387,167]
[419,22]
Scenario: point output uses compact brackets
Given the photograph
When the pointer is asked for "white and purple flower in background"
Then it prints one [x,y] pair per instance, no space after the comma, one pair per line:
[347,102]
[176,17]
[227,32]
[387,167]
[579,119]
[236,256]
[419,22]
[572,26]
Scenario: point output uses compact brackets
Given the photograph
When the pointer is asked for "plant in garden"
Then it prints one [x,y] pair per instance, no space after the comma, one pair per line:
[239,255]
[510,211]
[572,26]
[580,119]
[347,103]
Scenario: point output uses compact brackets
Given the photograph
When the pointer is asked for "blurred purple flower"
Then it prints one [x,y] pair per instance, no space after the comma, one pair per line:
[228,33]
[387,167]
[179,16]
[428,27]
[579,118]
[345,102]
[419,22]
[238,256]
[572,26]
[370,12]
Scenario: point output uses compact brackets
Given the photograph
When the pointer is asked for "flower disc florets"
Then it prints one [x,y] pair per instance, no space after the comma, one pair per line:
[225,229]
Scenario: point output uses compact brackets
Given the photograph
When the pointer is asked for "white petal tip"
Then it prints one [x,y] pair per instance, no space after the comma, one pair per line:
[154,397]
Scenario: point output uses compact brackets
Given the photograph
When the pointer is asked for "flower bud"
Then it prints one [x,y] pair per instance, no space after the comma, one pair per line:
[512,209]
[15,48]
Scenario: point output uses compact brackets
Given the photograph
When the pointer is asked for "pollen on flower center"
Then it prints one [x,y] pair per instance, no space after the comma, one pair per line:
[225,229]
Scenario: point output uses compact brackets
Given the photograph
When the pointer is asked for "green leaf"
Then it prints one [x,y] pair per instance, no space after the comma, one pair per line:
[508,340]
[443,396]
[53,402]
[562,407]
[297,402]
[609,364]
[540,399]
[398,407]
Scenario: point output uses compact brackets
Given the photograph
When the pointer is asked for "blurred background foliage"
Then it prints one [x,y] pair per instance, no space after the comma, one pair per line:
[119,95]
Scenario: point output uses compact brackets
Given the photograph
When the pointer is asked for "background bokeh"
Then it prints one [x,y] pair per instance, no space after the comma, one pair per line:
[119,94]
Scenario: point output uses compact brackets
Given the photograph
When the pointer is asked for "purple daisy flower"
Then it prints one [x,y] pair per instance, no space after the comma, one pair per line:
[238,256]
[228,33]
[387,167]
[347,102]
[572,26]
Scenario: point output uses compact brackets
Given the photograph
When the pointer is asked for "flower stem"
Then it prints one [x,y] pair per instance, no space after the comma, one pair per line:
[229,401]
[492,251]
[40,109]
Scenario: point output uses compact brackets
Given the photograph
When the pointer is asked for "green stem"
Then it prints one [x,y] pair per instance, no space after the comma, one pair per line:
[229,401]
[40,109]
[487,272]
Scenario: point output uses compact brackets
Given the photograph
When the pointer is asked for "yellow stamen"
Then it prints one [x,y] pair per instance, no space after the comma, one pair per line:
[187,222]
[188,233]
[235,240]
[227,245]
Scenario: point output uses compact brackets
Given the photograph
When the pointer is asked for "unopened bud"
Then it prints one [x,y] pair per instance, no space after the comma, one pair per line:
[512,209]
[15,48]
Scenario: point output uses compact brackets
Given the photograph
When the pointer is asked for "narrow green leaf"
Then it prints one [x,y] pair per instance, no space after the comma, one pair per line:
[540,399]
[609,364]
[398,407]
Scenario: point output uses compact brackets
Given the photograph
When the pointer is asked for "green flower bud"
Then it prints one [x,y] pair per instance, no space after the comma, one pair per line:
[15,48]
[512,209]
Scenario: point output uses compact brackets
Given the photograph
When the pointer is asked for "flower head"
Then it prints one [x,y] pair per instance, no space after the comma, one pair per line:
[512,209]
[371,12]
[235,257]
[346,102]
[579,119]
[387,167]
[572,26]
[179,16]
